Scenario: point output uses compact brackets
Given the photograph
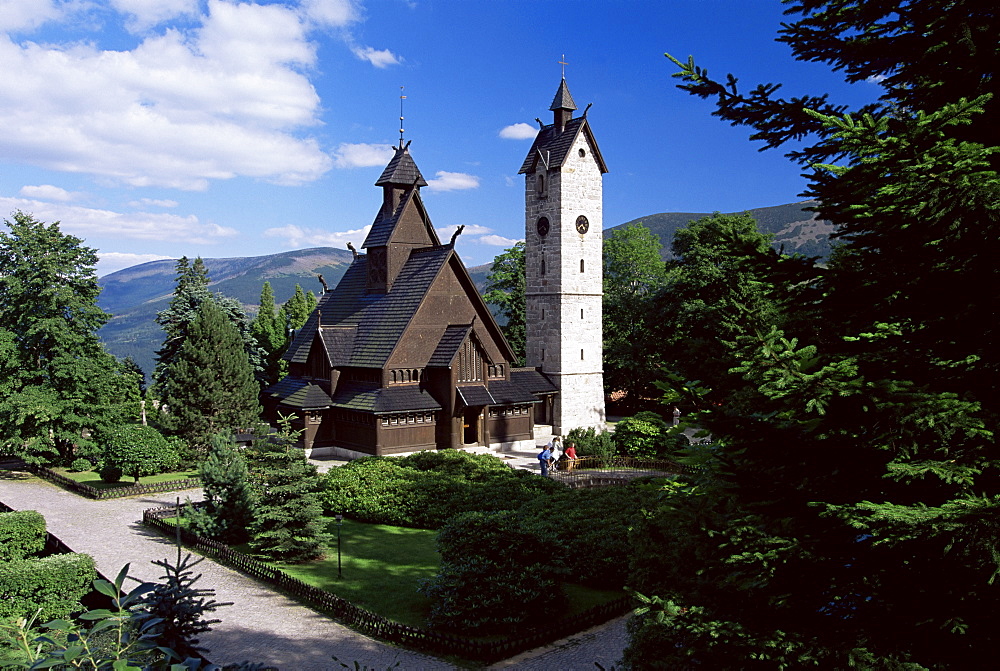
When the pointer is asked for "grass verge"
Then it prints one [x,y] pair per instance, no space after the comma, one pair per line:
[92,479]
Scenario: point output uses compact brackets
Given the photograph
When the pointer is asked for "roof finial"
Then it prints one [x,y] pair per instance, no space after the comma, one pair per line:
[401,99]
[563,63]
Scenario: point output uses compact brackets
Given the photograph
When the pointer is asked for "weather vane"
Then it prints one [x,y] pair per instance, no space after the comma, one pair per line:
[563,63]
[401,99]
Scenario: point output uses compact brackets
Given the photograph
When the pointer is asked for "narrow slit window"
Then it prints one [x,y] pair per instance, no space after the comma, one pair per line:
[581,265]
[581,355]
[581,313]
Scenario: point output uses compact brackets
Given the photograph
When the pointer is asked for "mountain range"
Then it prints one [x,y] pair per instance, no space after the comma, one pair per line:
[134,295]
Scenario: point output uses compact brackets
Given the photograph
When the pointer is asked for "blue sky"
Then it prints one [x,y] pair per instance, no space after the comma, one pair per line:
[161,128]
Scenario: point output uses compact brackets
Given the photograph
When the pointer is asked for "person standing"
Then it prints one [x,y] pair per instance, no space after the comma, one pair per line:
[543,460]
[570,455]
[555,451]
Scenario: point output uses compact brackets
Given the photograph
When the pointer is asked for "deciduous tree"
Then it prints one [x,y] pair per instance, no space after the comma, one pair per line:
[505,288]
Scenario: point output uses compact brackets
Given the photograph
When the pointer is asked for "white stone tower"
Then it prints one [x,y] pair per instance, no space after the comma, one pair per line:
[563,222]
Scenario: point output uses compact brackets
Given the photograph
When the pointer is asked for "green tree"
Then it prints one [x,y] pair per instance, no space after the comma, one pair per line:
[271,335]
[209,386]
[227,512]
[190,292]
[505,288]
[137,451]
[870,462]
[634,274]
[62,384]
[288,517]
[296,310]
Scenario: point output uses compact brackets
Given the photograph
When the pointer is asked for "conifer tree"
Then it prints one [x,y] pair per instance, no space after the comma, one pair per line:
[228,506]
[210,386]
[870,464]
[271,336]
[191,290]
[297,309]
[288,518]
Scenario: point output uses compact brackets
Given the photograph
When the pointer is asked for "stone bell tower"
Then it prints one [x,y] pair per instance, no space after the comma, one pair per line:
[563,176]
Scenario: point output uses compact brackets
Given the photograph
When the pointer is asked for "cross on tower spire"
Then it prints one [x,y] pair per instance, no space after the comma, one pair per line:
[563,63]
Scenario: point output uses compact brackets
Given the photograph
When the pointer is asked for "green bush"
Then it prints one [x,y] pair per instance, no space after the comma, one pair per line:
[138,451]
[642,435]
[494,572]
[110,472]
[80,465]
[22,534]
[410,491]
[53,584]
[590,443]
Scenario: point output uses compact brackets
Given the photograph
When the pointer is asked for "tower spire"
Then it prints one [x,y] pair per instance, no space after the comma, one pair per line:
[401,99]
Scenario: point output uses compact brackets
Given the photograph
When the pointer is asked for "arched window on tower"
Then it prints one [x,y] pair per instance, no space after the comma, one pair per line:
[581,265]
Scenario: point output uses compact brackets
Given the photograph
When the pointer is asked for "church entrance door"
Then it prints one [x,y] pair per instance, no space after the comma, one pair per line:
[471,424]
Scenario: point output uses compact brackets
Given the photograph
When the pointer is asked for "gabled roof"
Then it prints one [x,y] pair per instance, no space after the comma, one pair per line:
[474,395]
[384,225]
[298,393]
[532,380]
[552,147]
[401,171]
[449,345]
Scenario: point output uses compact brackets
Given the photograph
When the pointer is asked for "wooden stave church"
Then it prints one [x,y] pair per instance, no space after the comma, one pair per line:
[404,354]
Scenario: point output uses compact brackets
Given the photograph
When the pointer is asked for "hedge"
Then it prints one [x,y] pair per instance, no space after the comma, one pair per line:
[53,584]
[22,534]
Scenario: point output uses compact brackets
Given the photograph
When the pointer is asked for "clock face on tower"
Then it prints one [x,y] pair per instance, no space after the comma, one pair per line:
[582,225]
[542,226]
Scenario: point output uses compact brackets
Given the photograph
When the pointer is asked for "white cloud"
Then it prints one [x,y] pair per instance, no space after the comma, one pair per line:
[153,202]
[17,15]
[452,181]
[876,79]
[226,98]
[109,262]
[380,58]
[518,131]
[88,222]
[498,241]
[297,237]
[48,192]
[332,13]
[143,14]
[362,155]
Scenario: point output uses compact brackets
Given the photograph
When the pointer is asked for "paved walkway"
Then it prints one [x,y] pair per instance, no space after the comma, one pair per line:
[262,625]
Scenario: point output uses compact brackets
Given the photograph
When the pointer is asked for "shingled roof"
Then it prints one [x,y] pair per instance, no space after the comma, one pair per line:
[365,398]
[299,393]
[402,171]
[449,345]
[384,225]
[563,99]
[551,147]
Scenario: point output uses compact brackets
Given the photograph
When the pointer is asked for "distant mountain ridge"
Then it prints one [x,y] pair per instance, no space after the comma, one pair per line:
[794,228]
[134,295]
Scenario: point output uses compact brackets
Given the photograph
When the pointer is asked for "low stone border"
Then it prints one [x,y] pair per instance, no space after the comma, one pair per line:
[369,623]
[112,492]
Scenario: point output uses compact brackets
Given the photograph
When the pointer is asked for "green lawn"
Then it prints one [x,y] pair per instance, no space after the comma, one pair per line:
[382,567]
[94,480]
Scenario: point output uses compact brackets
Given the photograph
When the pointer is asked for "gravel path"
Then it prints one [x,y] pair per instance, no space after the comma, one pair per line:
[262,625]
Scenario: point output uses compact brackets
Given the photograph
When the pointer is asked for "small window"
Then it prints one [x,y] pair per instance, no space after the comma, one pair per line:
[581,355]
[582,152]
[581,265]
[581,313]
[540,183]
[543,314]
[543,265]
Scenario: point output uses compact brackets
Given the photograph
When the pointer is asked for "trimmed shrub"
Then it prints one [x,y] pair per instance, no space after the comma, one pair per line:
[22,534]
[411,492]
[138,451]
[80,465]
[494,571]
[53,584]
[110,472]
